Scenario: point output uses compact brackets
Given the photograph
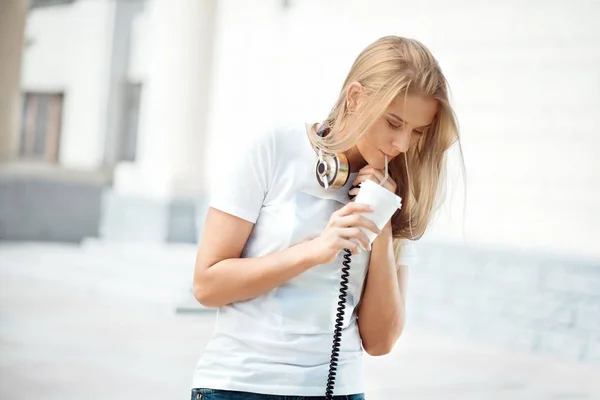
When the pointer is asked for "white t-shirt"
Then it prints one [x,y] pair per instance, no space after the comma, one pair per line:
[280,342]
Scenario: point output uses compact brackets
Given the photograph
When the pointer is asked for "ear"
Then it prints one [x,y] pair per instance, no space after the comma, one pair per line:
[353,96]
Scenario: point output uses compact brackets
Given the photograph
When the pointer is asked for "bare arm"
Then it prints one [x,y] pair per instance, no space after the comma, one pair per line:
[222,277]
[381,315]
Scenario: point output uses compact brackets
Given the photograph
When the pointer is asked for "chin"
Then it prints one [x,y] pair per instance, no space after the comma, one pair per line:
[377,162]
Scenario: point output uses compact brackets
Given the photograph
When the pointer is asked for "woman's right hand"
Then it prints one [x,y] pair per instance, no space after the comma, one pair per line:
[343,226]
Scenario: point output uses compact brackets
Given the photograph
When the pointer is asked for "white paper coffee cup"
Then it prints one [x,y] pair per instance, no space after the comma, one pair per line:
[384,203]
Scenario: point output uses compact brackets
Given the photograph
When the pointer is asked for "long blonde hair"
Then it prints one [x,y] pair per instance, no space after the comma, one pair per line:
[387,68]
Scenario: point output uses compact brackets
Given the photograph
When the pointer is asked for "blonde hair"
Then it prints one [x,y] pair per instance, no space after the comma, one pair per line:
[387,68]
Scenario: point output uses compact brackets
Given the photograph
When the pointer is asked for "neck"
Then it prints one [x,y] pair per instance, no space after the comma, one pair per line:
[355,159]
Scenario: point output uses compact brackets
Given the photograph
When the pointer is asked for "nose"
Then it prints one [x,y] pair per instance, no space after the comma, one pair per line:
[402,141]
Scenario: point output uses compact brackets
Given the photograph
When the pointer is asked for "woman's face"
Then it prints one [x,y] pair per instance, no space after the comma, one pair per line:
[401,126]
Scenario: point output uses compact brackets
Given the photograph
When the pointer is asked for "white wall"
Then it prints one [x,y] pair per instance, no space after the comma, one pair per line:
[140,47]
[171,56]
[525,80]
[244,71]
[69,52]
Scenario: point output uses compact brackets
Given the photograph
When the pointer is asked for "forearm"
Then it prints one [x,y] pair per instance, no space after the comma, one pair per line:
[382,312]
[238,279]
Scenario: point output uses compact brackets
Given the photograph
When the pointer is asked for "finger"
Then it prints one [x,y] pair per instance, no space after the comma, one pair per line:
[353,192]
[356,233]
[365,169]
[352,208]
[361,179]
[366,223]
[368,170]
[350,245]
[377,173]
[357,220]
[389,184]
[376,177]
[367,173]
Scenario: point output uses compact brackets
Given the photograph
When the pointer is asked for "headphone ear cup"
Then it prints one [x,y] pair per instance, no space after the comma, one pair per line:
[332,171]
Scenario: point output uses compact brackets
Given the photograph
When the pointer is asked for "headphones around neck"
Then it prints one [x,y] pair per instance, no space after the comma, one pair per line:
[332,170]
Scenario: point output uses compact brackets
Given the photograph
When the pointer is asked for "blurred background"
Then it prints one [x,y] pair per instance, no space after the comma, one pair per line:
[116,117]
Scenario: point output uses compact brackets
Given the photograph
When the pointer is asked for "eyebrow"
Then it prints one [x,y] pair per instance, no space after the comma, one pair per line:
[404,122]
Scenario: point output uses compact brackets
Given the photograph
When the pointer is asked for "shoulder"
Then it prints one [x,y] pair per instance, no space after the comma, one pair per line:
[281,142]
[406,252]
[290,136]
[276,137]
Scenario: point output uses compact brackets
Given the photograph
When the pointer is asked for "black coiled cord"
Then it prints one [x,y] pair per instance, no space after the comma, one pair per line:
[339,323]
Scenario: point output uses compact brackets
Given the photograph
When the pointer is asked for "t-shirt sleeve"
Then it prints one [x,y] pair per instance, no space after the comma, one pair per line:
[239,187]
[408,253]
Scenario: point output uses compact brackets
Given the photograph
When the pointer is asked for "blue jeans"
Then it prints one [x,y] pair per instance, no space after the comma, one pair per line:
[213,394]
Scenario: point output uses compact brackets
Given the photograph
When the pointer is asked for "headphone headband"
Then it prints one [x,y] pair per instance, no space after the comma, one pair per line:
[332,169]
[323,131]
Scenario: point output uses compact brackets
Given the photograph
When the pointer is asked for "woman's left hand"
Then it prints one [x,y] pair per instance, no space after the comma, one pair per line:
[376,175]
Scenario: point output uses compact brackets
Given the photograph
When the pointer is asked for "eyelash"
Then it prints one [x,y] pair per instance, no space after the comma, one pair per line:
[420,133]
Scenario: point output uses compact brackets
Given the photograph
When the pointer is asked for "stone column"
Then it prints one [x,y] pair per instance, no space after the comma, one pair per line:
[174,103]
[13,15]
[158,196]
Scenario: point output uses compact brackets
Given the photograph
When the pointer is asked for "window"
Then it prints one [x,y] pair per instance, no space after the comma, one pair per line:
[40,126]
[48,3]
[130,121]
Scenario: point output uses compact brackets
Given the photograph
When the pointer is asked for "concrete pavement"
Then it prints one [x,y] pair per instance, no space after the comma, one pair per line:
[98,321]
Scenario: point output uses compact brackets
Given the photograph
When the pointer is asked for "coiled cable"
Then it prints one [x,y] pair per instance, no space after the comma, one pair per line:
[339,323]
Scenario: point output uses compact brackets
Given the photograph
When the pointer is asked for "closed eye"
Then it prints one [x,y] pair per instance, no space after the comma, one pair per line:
[422,130]
[394,126]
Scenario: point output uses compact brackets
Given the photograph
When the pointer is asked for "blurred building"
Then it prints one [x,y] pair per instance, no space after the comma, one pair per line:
[113,120]
[129,110]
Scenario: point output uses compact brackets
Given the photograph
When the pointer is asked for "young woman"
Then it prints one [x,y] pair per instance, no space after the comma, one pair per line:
[275,236]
